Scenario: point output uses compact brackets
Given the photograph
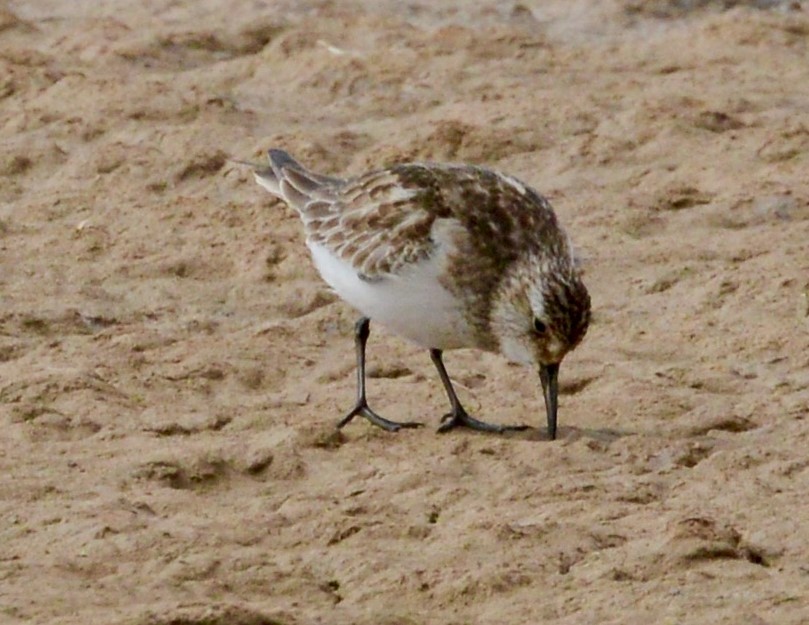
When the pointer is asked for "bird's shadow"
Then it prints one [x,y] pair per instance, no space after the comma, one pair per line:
[567,433]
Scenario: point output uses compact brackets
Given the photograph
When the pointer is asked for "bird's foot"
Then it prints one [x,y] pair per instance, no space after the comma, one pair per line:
[459,418]
[362,410]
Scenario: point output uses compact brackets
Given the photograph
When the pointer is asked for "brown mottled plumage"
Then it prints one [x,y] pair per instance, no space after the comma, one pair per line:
[446,255]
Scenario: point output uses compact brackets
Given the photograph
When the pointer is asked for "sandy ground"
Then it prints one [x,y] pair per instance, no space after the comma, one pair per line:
[171,366]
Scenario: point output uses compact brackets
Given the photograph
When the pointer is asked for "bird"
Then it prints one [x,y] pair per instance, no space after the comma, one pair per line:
[447,256]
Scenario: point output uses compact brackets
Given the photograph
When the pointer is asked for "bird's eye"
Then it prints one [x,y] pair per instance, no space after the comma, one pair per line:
[539,327]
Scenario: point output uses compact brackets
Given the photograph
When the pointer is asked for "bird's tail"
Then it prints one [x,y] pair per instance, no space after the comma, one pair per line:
[287,179]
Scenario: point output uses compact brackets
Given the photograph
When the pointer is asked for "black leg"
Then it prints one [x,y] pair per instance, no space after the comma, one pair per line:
[362,330]
[458,417]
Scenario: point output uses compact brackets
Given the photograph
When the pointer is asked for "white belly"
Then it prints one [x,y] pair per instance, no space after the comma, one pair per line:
[413,304]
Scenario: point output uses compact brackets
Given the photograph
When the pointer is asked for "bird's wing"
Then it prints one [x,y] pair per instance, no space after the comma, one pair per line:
[377,223]
[385,220]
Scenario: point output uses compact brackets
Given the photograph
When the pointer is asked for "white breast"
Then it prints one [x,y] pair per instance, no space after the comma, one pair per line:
[412,304]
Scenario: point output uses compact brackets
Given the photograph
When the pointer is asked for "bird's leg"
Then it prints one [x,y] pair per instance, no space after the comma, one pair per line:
[361,332]
[458,417]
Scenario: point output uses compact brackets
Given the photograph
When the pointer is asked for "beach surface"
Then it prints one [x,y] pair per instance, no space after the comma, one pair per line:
[172,366]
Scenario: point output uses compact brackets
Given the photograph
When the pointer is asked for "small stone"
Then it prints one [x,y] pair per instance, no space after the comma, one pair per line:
[775,206]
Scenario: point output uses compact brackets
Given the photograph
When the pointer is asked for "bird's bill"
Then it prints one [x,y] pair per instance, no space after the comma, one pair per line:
[549,375]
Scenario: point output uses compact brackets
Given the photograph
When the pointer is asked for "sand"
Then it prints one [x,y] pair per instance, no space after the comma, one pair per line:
[171,365]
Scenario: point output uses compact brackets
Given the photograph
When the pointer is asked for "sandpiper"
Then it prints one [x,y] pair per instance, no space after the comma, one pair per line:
[447,256]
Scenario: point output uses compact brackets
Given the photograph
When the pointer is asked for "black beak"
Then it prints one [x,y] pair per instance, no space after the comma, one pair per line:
[549,375]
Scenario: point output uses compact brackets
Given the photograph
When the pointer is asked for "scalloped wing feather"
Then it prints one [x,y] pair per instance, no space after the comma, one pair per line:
[373,223]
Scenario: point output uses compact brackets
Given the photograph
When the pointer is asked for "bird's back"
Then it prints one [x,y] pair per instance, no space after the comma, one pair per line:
[384,220]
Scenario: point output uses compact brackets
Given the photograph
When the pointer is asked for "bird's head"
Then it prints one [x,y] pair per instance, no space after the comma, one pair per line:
[541,312]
